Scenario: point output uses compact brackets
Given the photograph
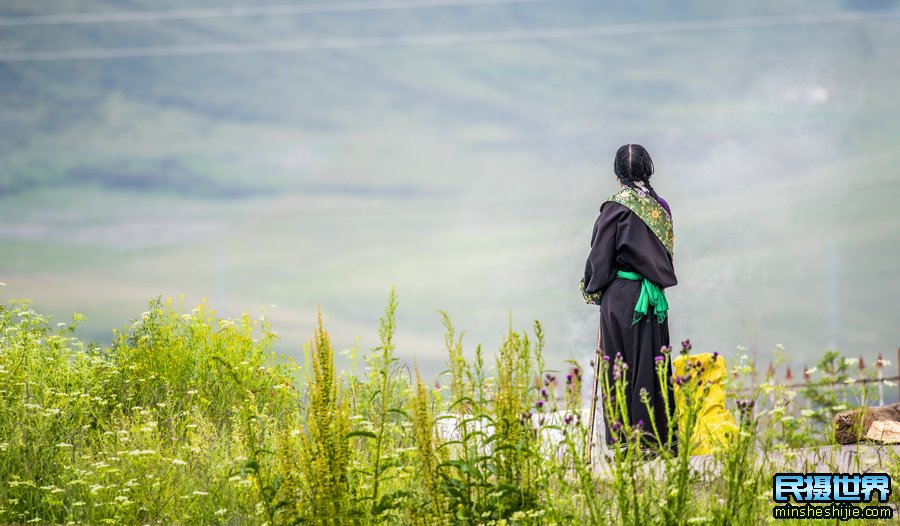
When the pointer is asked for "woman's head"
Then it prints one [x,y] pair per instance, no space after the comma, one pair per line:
[633,165]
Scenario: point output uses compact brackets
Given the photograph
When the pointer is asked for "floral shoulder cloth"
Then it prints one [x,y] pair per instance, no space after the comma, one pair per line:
[651,212]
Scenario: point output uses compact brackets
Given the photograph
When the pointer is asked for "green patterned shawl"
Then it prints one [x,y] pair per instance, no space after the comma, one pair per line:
[651,212]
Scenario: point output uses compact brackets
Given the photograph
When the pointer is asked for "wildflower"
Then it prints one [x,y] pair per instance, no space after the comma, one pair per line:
[200,493]
[659,359]
[686,346]
[63,444]
[178,462]
[745,406]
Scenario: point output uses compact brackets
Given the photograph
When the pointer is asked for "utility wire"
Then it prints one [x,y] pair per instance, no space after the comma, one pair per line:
[241,11]
[448,38]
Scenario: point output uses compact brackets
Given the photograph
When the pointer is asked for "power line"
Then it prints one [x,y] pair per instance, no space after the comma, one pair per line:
[241,11]
[447,38]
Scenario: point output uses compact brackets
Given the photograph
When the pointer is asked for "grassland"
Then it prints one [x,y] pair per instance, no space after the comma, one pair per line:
[191,418]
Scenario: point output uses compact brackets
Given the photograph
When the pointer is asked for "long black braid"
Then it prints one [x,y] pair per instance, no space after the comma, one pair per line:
[633,165]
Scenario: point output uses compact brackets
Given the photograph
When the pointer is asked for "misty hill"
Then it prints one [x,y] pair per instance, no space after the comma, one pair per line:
[468,174]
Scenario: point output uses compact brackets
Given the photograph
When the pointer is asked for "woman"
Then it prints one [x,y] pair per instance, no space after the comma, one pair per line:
[629,265]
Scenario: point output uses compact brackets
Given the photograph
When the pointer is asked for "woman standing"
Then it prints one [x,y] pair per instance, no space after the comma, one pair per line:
[629,265]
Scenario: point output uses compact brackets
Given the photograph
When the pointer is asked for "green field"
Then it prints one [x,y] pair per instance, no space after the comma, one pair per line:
[190,418]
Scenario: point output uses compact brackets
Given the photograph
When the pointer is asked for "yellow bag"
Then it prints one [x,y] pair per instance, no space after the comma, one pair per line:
[716,427]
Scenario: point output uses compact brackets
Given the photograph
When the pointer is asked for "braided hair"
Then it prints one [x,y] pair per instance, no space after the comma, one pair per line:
[633,165]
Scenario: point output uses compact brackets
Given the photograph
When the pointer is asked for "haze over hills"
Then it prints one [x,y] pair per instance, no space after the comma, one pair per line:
[469,175]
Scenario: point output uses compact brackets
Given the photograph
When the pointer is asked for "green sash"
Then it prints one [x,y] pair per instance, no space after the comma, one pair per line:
[651,294]
[651,212]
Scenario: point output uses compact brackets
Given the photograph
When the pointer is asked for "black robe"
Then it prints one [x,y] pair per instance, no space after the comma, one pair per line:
[622,241]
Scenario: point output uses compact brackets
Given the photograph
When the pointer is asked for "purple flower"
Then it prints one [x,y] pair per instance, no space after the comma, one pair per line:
[540,405]
[686,345]
[659,359]
[665,349]
[568,379]
[640,423]
[745,406]
[715,356]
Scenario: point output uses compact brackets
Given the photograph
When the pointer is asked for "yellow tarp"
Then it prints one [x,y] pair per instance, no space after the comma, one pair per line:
[716,427]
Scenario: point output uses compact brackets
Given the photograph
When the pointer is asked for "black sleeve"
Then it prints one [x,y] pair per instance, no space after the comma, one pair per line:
[600,268]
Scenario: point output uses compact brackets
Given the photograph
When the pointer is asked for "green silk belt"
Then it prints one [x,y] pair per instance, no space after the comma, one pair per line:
[651,294]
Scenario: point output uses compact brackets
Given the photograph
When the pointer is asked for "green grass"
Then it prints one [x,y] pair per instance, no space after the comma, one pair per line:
[190,418]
